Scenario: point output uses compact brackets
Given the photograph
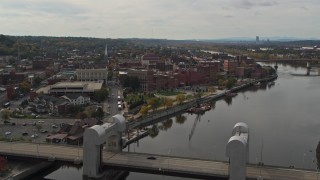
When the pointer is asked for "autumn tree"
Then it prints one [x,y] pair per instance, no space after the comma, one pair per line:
[154,103]
[5,114]
[25,86]
[144,110]
[180,98]
[168,102]
[212,89]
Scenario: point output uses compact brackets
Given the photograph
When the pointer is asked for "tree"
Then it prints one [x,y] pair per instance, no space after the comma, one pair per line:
[101,95]
[144,110]
[221,82]
[24,103]
[154,131]
[180,98]
[198,96]
[5,114]
[180,119]
[168,102]
[37,81]
[110,75]
[167,124]
[25,86]
[154,103]
[212,89]
[98,113]
[131,81]
[81,115]
[230,83]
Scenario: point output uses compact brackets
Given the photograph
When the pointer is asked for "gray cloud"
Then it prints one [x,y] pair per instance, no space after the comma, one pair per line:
[45,7]
[248,4]
[178,19]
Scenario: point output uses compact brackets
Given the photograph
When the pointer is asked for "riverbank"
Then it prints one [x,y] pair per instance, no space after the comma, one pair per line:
[164,113]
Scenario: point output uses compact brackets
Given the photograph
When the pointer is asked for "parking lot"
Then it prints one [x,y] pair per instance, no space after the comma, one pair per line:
[35,130]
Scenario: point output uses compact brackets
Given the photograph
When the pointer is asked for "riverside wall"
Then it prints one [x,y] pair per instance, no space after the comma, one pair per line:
[158,115]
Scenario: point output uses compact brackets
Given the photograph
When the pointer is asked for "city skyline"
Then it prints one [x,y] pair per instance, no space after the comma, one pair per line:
[182,19]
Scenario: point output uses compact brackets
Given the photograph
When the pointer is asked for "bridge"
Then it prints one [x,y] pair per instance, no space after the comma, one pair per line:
[287,60]
[164,165]
[307,61]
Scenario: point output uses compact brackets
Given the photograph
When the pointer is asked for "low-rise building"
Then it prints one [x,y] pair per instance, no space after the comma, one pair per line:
[62,88]
[77,99]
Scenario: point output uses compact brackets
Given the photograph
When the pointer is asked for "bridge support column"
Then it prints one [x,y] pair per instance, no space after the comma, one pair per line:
[308,68]
[93,141]
[238,151]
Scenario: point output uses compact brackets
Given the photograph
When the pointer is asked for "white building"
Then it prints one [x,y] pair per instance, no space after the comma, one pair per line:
[77,99]
[92,74]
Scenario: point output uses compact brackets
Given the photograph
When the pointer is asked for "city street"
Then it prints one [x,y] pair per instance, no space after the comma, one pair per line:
[110,106]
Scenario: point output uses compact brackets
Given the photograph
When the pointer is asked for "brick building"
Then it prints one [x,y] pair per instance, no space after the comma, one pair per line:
[40,64]
[230,66]
[145,77]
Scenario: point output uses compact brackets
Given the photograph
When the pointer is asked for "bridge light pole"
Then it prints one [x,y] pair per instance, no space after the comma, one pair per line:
[169,157]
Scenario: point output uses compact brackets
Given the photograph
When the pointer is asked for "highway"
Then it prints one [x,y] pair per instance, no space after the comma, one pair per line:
[160,164]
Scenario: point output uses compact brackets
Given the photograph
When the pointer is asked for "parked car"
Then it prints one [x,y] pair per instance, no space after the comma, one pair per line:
[44,131]
[24,134]
[151,158]
[34,136]
[54,126]
[7,133]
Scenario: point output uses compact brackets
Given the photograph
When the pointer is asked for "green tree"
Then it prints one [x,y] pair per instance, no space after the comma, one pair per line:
[230,83]
[101,95]
[180,119]
[167,124]
[98,113]
[37,81]
[110,75]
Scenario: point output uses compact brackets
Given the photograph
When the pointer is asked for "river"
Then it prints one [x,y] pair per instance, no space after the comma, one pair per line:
[283,120]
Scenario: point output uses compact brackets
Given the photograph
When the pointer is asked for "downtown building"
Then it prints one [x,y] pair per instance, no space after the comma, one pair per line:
[92,74]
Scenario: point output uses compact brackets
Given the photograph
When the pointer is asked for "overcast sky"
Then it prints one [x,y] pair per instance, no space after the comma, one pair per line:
[171,19]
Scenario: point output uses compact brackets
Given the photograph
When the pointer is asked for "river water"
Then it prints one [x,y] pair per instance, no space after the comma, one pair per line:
[283,120]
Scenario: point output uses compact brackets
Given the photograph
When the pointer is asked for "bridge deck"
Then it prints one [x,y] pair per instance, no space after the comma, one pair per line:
[161,165]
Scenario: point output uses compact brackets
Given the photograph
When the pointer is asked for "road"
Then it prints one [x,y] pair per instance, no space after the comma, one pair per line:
[111,104]
[160,164]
